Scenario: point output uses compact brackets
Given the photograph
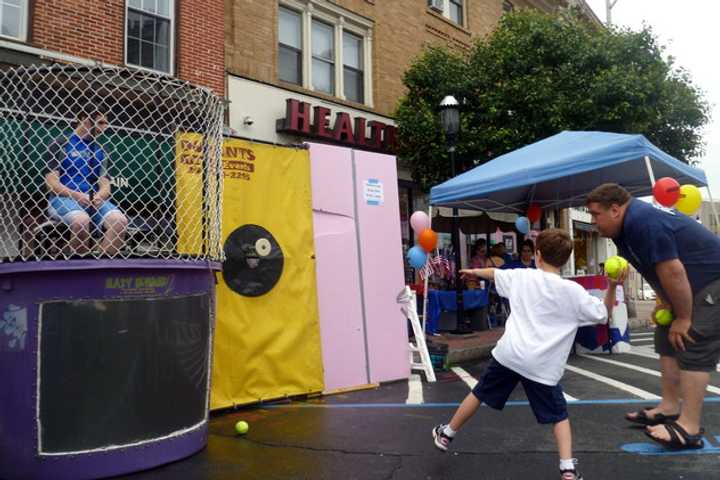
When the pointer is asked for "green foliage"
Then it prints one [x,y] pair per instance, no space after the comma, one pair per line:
[537,75]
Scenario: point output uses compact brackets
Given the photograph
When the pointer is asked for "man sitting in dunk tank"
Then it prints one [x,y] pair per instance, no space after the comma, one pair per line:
[79,187]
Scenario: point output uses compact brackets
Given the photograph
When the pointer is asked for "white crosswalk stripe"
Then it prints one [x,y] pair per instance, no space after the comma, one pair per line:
[649,353]
[415,392]
[613,383]
[465,376]
[648,371]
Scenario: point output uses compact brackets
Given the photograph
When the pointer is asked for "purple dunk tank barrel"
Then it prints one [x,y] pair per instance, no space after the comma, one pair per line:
[104,365]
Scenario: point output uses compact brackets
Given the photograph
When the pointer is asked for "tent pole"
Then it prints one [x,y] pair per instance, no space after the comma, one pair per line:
[427,278]
[650,171]
[712,206]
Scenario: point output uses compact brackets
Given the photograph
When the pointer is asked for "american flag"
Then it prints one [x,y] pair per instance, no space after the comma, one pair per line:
[426,270]
[442,266]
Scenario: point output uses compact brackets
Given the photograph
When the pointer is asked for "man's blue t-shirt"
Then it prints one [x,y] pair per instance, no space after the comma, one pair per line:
[79,162]
[651,235]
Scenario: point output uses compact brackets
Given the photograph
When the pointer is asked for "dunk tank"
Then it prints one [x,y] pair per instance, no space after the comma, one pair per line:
[105,350]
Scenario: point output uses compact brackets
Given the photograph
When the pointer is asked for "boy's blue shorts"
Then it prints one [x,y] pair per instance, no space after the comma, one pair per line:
[497,383]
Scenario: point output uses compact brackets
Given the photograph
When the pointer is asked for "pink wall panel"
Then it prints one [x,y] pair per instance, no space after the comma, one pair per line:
[338,277]
[382,266]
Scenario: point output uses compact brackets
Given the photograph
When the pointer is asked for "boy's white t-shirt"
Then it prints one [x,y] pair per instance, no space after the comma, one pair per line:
[545,313]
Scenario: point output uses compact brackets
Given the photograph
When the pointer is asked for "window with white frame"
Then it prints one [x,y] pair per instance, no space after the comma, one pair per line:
[453,10]
[456,11]
[290,47]
[149,34]
[13,19]
[323,57]
[353,62]
[325,48]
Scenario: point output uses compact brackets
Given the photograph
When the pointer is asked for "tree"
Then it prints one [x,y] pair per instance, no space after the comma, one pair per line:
[537,75]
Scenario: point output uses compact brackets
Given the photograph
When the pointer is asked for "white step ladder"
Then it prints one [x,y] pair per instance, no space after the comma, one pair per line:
[408,301]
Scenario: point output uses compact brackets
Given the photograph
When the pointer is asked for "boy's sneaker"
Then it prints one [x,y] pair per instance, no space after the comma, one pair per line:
[571,474]
[442,441]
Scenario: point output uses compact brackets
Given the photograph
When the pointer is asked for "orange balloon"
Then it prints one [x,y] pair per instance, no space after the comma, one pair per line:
[428,240]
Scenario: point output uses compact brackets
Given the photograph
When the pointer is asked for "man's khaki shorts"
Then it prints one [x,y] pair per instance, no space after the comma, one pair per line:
[704,354]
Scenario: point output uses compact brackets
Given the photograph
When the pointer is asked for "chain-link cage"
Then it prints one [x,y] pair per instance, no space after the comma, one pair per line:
[108,162]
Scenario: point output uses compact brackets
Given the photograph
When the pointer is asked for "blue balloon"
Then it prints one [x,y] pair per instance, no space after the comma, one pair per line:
[522,224]
[416,257]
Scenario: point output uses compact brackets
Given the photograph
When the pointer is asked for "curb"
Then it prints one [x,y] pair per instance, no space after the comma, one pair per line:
[463,355]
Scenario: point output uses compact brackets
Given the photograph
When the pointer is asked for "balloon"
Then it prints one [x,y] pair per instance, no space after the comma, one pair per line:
[534,213]
[419,221]
[690,200]
[428,240]
[666,191]
[416,257]
[522,224]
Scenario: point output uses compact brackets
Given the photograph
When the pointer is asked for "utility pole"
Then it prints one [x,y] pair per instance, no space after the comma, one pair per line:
[609,4]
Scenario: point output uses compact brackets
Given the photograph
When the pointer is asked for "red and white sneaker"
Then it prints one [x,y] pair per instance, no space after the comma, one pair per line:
[442,441]
[571,474]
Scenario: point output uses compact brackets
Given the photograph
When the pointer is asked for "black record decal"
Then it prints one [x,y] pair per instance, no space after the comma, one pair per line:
[253,261]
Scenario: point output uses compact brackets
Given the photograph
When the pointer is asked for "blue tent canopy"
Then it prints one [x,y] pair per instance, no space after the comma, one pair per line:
[560,171]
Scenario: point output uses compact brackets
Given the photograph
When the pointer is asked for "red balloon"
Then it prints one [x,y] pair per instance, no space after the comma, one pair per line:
[428,240]
[534,213]
[666,191]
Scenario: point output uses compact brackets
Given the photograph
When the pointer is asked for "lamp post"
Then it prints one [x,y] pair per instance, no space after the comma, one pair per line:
[450,119]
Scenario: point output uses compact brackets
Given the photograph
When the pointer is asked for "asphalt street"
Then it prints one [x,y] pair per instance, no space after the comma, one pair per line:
[386,433]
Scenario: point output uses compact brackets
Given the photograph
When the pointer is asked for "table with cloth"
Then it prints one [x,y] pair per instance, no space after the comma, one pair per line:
[614,337]
[444,301]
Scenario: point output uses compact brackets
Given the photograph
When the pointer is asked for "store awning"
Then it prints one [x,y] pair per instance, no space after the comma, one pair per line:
[560,171]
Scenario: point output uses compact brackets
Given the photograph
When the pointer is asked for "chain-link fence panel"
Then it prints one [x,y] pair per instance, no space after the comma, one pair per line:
[108,162]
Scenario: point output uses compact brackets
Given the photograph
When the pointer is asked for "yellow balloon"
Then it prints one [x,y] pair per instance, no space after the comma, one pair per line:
[690,200]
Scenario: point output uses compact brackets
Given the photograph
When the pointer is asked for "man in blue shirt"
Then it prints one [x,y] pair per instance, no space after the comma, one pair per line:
[79,187]
[680,259]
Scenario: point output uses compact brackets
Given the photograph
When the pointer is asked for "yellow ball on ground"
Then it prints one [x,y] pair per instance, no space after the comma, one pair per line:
[614,266]
[242,427]
[664,317]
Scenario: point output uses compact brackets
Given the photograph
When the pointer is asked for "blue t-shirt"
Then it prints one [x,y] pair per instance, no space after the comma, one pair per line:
[79,162]
[518,264]
[651,235]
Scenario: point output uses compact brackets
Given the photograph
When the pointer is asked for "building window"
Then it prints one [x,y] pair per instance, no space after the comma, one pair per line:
[456,11]
[323,57]
[325,48]
[453,10]
[353,67]
[150,32]
[507,6]
[13,19]
[290,47]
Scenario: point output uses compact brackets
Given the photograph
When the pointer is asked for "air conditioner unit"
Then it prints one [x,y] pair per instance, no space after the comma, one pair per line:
[436,4]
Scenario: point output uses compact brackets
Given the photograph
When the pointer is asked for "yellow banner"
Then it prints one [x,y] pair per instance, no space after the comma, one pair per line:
[189,191]
[267,338]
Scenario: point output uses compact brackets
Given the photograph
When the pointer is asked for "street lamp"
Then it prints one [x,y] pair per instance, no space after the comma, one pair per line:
[450,119]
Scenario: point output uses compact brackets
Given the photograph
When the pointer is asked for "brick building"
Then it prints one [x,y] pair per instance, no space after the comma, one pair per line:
[343,59]
[180,38]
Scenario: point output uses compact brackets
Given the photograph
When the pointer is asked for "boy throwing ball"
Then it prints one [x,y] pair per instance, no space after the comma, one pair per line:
[546,311]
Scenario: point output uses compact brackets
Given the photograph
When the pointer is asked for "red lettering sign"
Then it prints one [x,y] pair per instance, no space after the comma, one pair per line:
[345,130]
[320,125]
